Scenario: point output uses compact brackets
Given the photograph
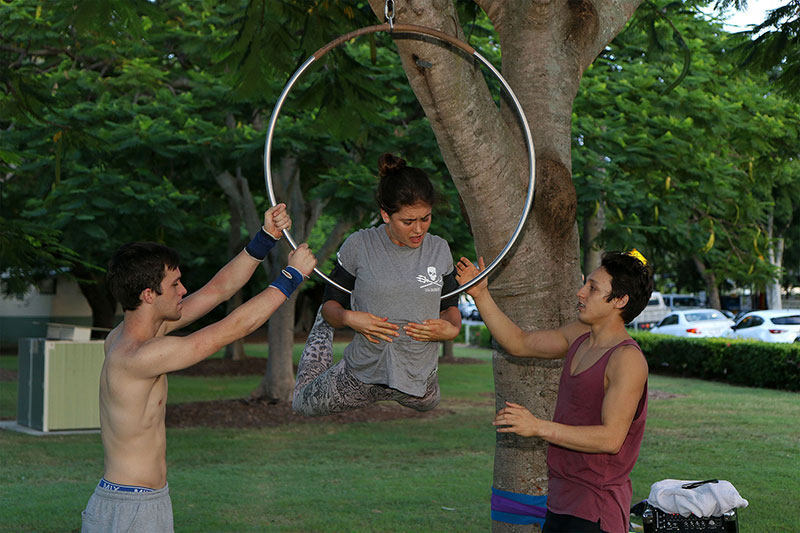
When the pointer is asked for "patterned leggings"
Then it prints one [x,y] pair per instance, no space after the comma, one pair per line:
[322,389]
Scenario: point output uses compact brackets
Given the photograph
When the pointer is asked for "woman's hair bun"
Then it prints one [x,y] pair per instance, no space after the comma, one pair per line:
[389,164]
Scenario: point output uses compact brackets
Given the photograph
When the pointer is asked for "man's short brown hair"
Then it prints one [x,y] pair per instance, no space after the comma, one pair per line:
[137,266]
[629,276]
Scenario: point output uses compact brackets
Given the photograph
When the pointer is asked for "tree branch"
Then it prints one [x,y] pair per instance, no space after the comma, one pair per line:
[612,16]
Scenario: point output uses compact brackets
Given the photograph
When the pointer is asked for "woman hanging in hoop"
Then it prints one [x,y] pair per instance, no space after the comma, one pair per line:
[397,273]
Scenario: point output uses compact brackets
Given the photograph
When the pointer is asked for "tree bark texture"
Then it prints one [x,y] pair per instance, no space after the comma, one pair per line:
[546,47]
[592,226]
[277,384]
[710,279]
[92,285]
[447,352]
[775,256]
[235,350]
[278,381]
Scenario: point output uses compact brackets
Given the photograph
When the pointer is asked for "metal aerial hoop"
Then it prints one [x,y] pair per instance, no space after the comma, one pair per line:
[414,30]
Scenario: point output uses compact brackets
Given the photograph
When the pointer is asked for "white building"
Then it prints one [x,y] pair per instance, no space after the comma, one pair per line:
[57,300]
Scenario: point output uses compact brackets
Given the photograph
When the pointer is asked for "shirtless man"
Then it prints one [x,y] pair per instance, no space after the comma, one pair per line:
[599,419]
[144,277]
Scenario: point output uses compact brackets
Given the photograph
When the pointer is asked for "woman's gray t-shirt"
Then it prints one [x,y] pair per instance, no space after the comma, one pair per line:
[405,285]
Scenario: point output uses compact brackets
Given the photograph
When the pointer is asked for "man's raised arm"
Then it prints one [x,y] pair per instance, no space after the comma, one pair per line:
[170,353]
[544,344]
[236,273]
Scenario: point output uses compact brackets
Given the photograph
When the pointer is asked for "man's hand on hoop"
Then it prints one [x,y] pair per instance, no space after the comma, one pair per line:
[303,259]
[276,219]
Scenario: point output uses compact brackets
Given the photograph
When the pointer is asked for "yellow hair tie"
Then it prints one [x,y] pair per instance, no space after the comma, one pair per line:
[637,255]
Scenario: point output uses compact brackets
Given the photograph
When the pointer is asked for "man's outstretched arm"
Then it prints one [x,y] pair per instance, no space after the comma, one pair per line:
[626,375]
[230,278]
[544,344]
[170,353]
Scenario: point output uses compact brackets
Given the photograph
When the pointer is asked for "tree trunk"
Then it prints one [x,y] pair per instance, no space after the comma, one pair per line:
[712,289]
[546,47]
[93,287]
[592,226]
[274,384]
[278,381]
[235,350]
[773,288]
[447,352]
[277,384]
[775,257]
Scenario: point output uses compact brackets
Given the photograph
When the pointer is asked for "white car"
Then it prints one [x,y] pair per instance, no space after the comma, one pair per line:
[774,325]
[694,323]
[467,307]
[681,301]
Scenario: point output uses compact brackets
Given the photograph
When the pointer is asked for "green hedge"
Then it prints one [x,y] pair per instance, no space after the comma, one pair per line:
[740,362]
[478,336]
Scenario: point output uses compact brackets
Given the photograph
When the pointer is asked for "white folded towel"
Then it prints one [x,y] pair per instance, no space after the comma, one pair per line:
[706,499]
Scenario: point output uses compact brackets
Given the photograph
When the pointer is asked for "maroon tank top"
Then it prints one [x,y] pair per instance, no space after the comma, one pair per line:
[592,486]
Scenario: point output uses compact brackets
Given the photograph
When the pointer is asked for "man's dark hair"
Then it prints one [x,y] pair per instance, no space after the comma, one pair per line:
[628,276]
[137,266]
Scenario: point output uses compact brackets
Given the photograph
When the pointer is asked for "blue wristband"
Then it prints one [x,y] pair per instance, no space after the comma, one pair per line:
[288,280]
[260,245]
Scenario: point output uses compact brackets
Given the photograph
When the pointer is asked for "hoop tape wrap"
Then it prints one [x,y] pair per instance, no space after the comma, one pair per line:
[416,30]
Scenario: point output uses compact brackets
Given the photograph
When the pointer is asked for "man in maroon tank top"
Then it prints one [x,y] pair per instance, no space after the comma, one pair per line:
[600,413]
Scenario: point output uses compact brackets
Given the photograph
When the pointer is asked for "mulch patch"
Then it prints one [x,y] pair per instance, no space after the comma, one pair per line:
[258,365]
[251,412]
[655,394]
[249,366]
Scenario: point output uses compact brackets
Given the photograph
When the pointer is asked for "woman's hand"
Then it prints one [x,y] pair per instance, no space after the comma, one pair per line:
[432,330]
[371,326]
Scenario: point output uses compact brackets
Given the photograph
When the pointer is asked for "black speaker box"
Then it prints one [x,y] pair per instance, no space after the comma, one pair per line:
[655,520]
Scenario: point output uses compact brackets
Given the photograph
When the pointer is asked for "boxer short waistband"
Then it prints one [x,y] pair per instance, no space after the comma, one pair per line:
[105,484]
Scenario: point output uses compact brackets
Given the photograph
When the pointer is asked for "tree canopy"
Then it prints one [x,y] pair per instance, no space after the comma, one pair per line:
[119,121]
[692,174]
[144,120]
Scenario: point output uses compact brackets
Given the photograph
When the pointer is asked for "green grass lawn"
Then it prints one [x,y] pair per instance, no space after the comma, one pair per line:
[751,437]
[407,475]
